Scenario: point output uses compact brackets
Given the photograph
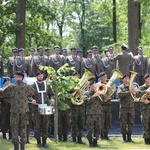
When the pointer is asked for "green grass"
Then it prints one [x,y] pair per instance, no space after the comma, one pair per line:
[114,144]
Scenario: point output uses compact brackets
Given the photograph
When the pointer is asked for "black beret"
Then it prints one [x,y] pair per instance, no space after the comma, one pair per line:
[126,75]
[32,49]
[73,49]
[146,75]
[39,49]
[94,47]
[15,49]
[139,48]
[21,50]
[92,81]
[89,52]
[56,47]
[39,72]
[110,47]
[79,51]
[106,50]
[19,73]
[102,74]
[124,47]
[47,49]
[6,79]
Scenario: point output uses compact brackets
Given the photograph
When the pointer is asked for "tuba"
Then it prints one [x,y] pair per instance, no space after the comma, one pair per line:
[84,86]
[132,85]
[145,96]
[102,89]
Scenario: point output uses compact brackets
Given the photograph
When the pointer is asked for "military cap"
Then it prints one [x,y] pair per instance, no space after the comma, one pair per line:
[21,50]
[75,73]
[124,47]
[64,50]
[32,49]
[47,49]
[39,49]
[146,75]
[19,73]
[73,49]
[79,51]
[94,47]
[126,75]
[15,49]
[139,48]
[6,79]
[106,50]
[110,47]
[39,72]
[92,81]
[56,47]
[89,52]
[102,74]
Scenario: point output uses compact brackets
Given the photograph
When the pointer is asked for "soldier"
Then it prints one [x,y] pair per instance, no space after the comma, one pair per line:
[20,63]
[106,109]
[91,64]
[93,113]
[127,110]
[64,53]
[145,105]
[41,122]
[95,54]
[48,57]
[57,59]
[73,61]
[31,63]
[5,112]
[123,59]
[140,65]
[10,64]
[19,93]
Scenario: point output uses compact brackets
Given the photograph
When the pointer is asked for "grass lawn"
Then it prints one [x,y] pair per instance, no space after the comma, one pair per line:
[113,144]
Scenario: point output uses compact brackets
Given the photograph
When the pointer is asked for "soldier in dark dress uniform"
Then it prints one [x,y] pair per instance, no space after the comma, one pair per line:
[19,93]
[48,57]
[127,110]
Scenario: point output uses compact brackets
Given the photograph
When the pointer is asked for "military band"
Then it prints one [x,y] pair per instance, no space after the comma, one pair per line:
[98,107]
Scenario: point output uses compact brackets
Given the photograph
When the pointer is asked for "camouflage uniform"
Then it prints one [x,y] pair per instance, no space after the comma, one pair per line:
[145,114]
[127,112]
[93,113]
[41,122]
[19,93]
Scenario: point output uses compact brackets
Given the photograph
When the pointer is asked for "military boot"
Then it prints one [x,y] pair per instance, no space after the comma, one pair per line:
[129,137]
[60,138]
[90,143]
[124,137]
[74,139]
[44,144]
[65,138]
[22,146]
[146,141]
[39,142]
[95,143]
[10,135]
[102,136]
[4,135]
[106,136]
[16,146]
[80,140]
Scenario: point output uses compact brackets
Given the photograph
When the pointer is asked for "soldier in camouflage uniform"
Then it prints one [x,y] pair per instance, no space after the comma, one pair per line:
[127,110]
[19,93]
[106,109]
[93,114]
[145,108]
[41,122]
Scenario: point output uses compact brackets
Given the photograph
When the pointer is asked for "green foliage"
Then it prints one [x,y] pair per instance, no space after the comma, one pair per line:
[61,83]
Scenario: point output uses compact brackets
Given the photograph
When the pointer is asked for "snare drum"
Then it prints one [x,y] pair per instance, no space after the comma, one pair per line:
[43,109]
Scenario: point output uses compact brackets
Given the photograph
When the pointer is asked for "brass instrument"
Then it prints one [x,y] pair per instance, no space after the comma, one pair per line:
[133,86]
[102,89]
[145,96]
[84,86]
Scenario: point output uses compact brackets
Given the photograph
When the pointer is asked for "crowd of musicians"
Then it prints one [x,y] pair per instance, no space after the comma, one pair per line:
[18,115]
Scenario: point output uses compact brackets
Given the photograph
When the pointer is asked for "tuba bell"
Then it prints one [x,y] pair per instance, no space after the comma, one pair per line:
[102,89]
[132,85]
[84,86]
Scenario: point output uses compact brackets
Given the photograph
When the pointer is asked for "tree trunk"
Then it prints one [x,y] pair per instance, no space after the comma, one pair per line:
[133,25]
[114,21]
[20,33]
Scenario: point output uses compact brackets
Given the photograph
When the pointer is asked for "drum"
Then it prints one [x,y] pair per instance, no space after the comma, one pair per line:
[43,109]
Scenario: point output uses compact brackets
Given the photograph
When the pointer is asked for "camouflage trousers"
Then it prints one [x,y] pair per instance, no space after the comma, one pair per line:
[145,118]
[93,126]
[106,119]
[41,124]
[18,122]
[127,117]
